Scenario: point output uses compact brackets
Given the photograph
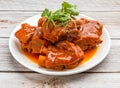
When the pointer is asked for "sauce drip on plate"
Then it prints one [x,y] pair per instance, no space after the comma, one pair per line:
[89,54]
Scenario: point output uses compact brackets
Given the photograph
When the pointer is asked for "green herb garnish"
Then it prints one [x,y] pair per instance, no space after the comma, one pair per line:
[63,15]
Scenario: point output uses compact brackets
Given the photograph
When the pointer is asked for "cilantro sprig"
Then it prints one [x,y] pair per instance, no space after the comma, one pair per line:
[63,15]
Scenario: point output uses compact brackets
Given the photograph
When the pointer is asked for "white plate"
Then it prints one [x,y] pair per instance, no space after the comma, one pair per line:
[101,53]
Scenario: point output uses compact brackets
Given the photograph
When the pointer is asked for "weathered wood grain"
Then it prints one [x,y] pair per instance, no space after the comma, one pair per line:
[9,20]
[86,5]
[84,80]
[104,75]
[110,64]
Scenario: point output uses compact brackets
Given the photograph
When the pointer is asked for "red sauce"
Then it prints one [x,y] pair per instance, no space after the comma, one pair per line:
[88,55]
[32,57]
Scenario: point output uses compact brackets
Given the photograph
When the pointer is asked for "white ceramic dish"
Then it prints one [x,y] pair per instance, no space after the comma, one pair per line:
[101,53]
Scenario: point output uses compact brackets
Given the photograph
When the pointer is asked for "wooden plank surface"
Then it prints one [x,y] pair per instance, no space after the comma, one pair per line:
[83,5]
[9,20]
[110,64]
[104,75]
[84,80]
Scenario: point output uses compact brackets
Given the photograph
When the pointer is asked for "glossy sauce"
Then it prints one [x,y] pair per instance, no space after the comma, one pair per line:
[88,55]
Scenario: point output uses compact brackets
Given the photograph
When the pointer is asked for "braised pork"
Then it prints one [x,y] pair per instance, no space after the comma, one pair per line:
[89,33]
[59,46]
[63,55]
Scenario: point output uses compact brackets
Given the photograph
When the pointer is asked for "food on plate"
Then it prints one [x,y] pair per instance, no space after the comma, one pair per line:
[60,39]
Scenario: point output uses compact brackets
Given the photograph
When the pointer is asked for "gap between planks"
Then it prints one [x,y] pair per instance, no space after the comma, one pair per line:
[40,73]
[42,11]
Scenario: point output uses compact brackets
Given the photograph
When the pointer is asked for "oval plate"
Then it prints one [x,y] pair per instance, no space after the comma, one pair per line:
[101,53]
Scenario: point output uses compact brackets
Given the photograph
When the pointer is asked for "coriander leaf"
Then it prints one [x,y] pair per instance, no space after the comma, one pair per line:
[71,9]
[46,13]
[62,15]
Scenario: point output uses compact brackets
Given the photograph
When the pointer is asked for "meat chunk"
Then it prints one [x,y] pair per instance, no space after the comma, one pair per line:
[30,38]
[25,33]
[36,46]
[33,46]
[41,21]
[64,55]
[54,35]
[50,32]
[71,31]
[83,32]
[89,35]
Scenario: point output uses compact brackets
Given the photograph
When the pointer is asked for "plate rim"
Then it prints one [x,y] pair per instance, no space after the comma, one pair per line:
[57,73]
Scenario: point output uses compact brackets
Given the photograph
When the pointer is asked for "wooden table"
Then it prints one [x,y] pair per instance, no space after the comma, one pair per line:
[104,75]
